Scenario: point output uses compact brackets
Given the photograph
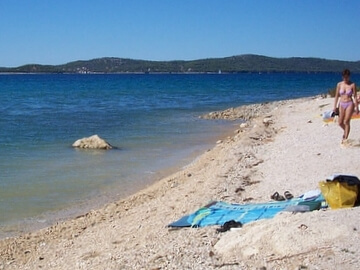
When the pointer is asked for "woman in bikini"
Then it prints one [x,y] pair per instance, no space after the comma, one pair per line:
[346,93]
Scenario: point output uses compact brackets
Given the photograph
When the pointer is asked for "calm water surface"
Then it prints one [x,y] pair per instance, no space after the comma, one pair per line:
[153,119]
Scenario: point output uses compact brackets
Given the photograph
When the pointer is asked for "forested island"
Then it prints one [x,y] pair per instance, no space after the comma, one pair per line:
[233,64]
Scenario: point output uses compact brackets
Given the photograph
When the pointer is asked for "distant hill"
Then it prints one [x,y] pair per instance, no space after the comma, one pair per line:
[233,64]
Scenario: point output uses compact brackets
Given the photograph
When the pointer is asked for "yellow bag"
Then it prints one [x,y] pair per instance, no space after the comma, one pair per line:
[339,195]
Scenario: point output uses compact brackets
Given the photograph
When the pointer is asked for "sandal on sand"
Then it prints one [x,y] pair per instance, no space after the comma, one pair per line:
[277,197]
[288,195]
[228,225]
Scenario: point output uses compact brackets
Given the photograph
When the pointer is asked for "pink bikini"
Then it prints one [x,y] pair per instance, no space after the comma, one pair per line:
[349,93]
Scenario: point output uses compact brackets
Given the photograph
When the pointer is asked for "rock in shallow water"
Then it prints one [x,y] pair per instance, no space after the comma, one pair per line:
[93,142]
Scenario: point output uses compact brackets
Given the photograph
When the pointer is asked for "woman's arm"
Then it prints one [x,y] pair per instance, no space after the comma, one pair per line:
[355,99]
[336,96]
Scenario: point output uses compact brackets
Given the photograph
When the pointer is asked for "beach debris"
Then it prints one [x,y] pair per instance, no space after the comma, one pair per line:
[303,227]
[219,142]
[267,121]
[92,142]
[239,189]
[257,162]
[174,185]
[250,183]
[323,105]
[298,254]
[309,121]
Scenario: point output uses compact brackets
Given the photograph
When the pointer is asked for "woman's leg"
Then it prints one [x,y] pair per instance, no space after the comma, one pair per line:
[348,113]
[341,118]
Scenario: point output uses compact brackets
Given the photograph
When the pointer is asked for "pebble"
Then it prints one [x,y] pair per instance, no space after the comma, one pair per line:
[244,125]
[267,121]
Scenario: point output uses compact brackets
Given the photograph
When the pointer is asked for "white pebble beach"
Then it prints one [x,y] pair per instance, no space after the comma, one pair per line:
[293,150]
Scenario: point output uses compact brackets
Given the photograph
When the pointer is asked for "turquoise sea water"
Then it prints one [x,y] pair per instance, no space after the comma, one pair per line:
[153,119]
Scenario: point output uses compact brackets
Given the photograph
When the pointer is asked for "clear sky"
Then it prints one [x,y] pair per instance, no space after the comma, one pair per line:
[60,31]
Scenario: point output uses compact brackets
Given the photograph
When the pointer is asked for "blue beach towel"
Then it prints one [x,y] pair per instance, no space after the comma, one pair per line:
[217,213]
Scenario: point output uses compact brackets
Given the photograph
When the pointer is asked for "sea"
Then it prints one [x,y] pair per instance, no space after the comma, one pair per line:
[152,119]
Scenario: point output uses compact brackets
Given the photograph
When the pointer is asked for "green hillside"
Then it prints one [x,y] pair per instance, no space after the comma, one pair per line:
[233,64]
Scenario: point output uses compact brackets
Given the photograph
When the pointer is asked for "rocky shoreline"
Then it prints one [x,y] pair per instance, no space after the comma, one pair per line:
[277,149]
[245,112]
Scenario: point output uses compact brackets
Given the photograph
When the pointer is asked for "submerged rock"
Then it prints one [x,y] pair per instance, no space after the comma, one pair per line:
[93,142]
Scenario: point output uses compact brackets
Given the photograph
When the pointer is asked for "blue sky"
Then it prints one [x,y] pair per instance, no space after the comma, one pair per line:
[56,32]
